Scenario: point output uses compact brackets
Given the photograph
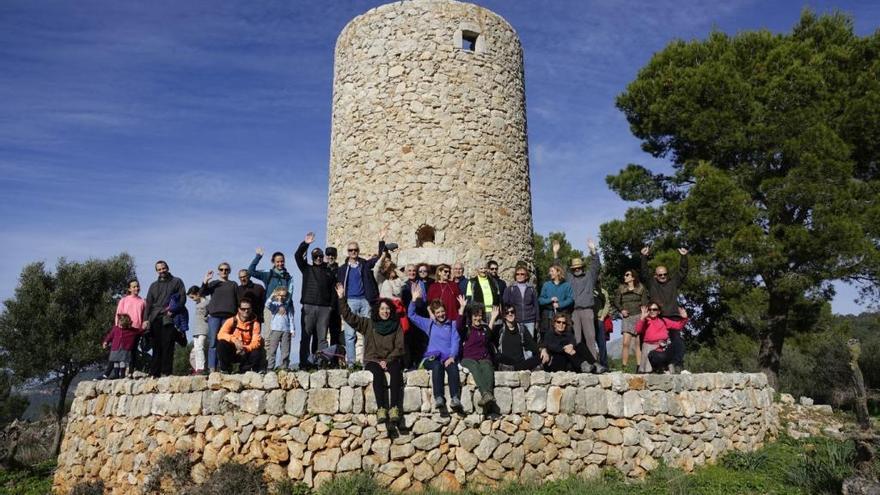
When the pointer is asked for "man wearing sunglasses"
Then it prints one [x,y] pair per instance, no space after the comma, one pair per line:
[663,288]
[361,290]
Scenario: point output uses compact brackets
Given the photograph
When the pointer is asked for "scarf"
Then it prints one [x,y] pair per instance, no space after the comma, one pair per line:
[385,327]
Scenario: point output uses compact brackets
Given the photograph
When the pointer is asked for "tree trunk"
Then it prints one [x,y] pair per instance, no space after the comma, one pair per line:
[66,380]
[772,339]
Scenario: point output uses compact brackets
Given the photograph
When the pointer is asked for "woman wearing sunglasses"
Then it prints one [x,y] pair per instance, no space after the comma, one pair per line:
[559,351]
[517,349]
[654,330]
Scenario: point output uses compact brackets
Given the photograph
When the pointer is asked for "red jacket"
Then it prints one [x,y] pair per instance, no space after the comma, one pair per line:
[448,293]
[122,338]
[657,329]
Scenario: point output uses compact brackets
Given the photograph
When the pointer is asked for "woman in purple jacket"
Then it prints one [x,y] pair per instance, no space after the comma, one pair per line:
[443,345]
[477,353]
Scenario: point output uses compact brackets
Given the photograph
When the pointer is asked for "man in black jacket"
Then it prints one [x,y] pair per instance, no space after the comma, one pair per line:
[160,321]
[318,293]
[663,289]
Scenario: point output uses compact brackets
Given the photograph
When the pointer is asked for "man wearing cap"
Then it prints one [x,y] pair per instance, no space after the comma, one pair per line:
[582,285]
[318,292]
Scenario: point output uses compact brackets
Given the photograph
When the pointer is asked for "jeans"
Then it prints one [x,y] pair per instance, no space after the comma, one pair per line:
[359,307]
[315,321]
[380,385]
[214,324]
[436,367]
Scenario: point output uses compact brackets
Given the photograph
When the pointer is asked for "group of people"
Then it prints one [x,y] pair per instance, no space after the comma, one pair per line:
[389,319]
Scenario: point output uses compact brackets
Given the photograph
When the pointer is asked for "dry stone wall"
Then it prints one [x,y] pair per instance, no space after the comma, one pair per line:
[314,426]
[427,132]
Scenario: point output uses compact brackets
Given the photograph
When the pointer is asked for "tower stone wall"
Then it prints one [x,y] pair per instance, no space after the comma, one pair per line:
[429,128]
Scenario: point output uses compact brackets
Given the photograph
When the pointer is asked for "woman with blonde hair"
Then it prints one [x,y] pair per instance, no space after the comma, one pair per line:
[556,298]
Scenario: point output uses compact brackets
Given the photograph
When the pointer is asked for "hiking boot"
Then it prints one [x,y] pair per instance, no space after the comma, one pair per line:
[381,415]
[439,402]
[455,405]
[394,416]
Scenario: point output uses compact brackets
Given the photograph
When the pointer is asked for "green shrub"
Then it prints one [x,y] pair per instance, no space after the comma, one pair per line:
[290,487]
[175,468]
[233,478]
[823,466]
[361,483]
[745,461]
[88,488]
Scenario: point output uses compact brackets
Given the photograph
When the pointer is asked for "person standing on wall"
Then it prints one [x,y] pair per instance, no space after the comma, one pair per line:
[356,276]
[221,307]
[160,322]
[272,278]
[522,296]
[583,315]
[492,269]
[663,288]
[255,292]
[317,299]
[483,289]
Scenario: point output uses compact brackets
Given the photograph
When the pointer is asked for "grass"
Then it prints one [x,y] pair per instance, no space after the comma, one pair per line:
[32,480]
[785,467]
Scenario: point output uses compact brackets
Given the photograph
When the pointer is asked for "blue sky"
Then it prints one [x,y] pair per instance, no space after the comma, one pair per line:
[196,131]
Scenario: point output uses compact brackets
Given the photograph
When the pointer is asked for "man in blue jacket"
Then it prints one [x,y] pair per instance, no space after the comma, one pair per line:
[356,275]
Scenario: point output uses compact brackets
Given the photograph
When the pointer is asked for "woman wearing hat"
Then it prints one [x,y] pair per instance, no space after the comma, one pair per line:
[555,299]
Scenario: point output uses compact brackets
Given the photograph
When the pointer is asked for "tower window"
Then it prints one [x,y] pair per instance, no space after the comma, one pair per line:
[469,41]
[424,235]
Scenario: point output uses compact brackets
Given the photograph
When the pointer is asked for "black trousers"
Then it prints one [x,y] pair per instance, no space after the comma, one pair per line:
[560,361]
[677,345]
[521,364]
[164,337]
[380,385]
[416,343]
[248,361]
[335,326]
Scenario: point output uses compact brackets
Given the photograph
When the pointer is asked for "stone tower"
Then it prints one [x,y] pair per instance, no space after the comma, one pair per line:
[429,134]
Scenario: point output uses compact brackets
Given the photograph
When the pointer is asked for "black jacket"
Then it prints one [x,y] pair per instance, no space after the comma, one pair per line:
[257,294]
[224,297]
[478,291]
[554,342]
[667,293]
[512,345]
[158,295]
[318,281]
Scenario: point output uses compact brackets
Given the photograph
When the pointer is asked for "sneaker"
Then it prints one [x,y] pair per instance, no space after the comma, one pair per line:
[599,369]
[394,415]
[455,404]
[382,415]
[439,402]
[587,367]
[486,399]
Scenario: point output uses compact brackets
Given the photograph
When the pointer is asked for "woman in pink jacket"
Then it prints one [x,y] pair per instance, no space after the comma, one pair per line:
[654,330]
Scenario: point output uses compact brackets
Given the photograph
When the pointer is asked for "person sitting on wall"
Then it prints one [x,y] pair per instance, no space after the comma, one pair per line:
[443,347]
[383,352]
[517,349]
[477,351]
[559,351]
[239,341]
[655,330]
